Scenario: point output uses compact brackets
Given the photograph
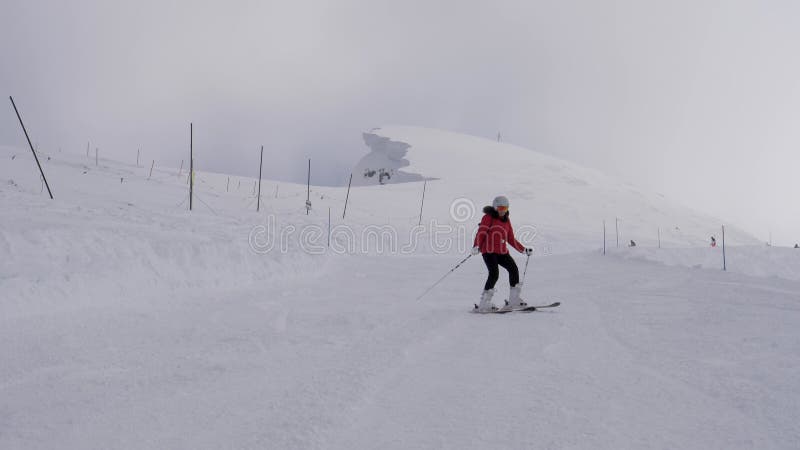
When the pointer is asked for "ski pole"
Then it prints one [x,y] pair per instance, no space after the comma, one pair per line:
[526,269]
[445,276]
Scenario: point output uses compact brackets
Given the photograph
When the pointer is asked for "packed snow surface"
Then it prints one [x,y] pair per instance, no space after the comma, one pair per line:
[128,322]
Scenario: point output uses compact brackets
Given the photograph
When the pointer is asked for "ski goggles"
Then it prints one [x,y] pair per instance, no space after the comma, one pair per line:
[502,208]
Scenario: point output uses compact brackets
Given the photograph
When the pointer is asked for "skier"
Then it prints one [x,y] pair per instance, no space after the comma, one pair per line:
[632,244]
[796,245]
[493,233]
[713,242]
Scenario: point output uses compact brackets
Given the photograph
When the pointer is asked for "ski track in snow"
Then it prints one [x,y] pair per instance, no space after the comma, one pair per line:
[358,365]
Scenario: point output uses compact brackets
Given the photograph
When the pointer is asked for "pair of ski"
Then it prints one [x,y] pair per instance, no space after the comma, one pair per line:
[506,309]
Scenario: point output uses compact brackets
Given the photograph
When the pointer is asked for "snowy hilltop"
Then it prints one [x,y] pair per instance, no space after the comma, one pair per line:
[567,203]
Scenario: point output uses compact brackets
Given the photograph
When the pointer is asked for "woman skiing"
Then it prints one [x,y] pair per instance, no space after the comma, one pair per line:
[493,233]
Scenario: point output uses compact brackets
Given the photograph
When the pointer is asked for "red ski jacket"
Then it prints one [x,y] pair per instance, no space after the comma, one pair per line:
[494,232]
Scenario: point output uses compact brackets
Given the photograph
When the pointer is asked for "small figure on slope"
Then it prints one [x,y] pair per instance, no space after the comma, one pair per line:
[493,233]
[713,242]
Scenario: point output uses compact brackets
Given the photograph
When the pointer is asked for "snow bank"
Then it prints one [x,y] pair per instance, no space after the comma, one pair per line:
[72,254]
[758,261]
[105,240]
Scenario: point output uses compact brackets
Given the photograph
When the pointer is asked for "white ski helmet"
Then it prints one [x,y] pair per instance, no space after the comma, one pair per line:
[500,200]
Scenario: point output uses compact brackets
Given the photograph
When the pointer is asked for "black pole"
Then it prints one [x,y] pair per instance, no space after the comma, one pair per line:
[191,165]
[31,145]
[258,202]
[348,195]
[604,237]
[724,263]
[308,187]
[423,202]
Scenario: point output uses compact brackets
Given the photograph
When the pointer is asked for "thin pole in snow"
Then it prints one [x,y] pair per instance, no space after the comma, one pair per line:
[329,227]
[261,163]
[424,186]
[348,195]
[96,158]
[616,227]
[604,237]
[308,188]
[659,237]
[191,164]
[138,150]
[724,262]
[228,186]
[181,169]
[87,149]
[151,169]
[31,146]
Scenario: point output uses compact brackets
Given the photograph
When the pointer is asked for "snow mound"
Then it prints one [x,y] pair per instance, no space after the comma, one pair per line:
[114,231]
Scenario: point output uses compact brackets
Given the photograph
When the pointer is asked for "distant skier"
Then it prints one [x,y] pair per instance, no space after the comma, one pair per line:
[713,242]
[493,233]
[796,246]
[632,244]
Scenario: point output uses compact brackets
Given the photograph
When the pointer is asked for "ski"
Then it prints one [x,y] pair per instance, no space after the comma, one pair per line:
[532,308]
[494,311]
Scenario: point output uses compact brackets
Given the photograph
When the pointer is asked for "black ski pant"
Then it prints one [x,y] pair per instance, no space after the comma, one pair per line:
[493,260]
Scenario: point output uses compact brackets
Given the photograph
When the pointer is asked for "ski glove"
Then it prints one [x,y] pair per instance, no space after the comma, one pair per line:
[529,251]
[475,251]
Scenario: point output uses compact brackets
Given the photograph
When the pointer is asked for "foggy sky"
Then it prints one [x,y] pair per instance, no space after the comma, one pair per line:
[698,100]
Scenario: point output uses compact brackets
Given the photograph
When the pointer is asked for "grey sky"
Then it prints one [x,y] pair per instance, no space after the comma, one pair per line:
[699,100]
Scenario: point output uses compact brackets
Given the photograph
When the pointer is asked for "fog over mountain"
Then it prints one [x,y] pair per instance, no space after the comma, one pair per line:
[698,100]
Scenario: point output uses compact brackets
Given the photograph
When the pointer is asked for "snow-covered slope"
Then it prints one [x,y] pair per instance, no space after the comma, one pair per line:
[128,322]
[113,229]
[566,203]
